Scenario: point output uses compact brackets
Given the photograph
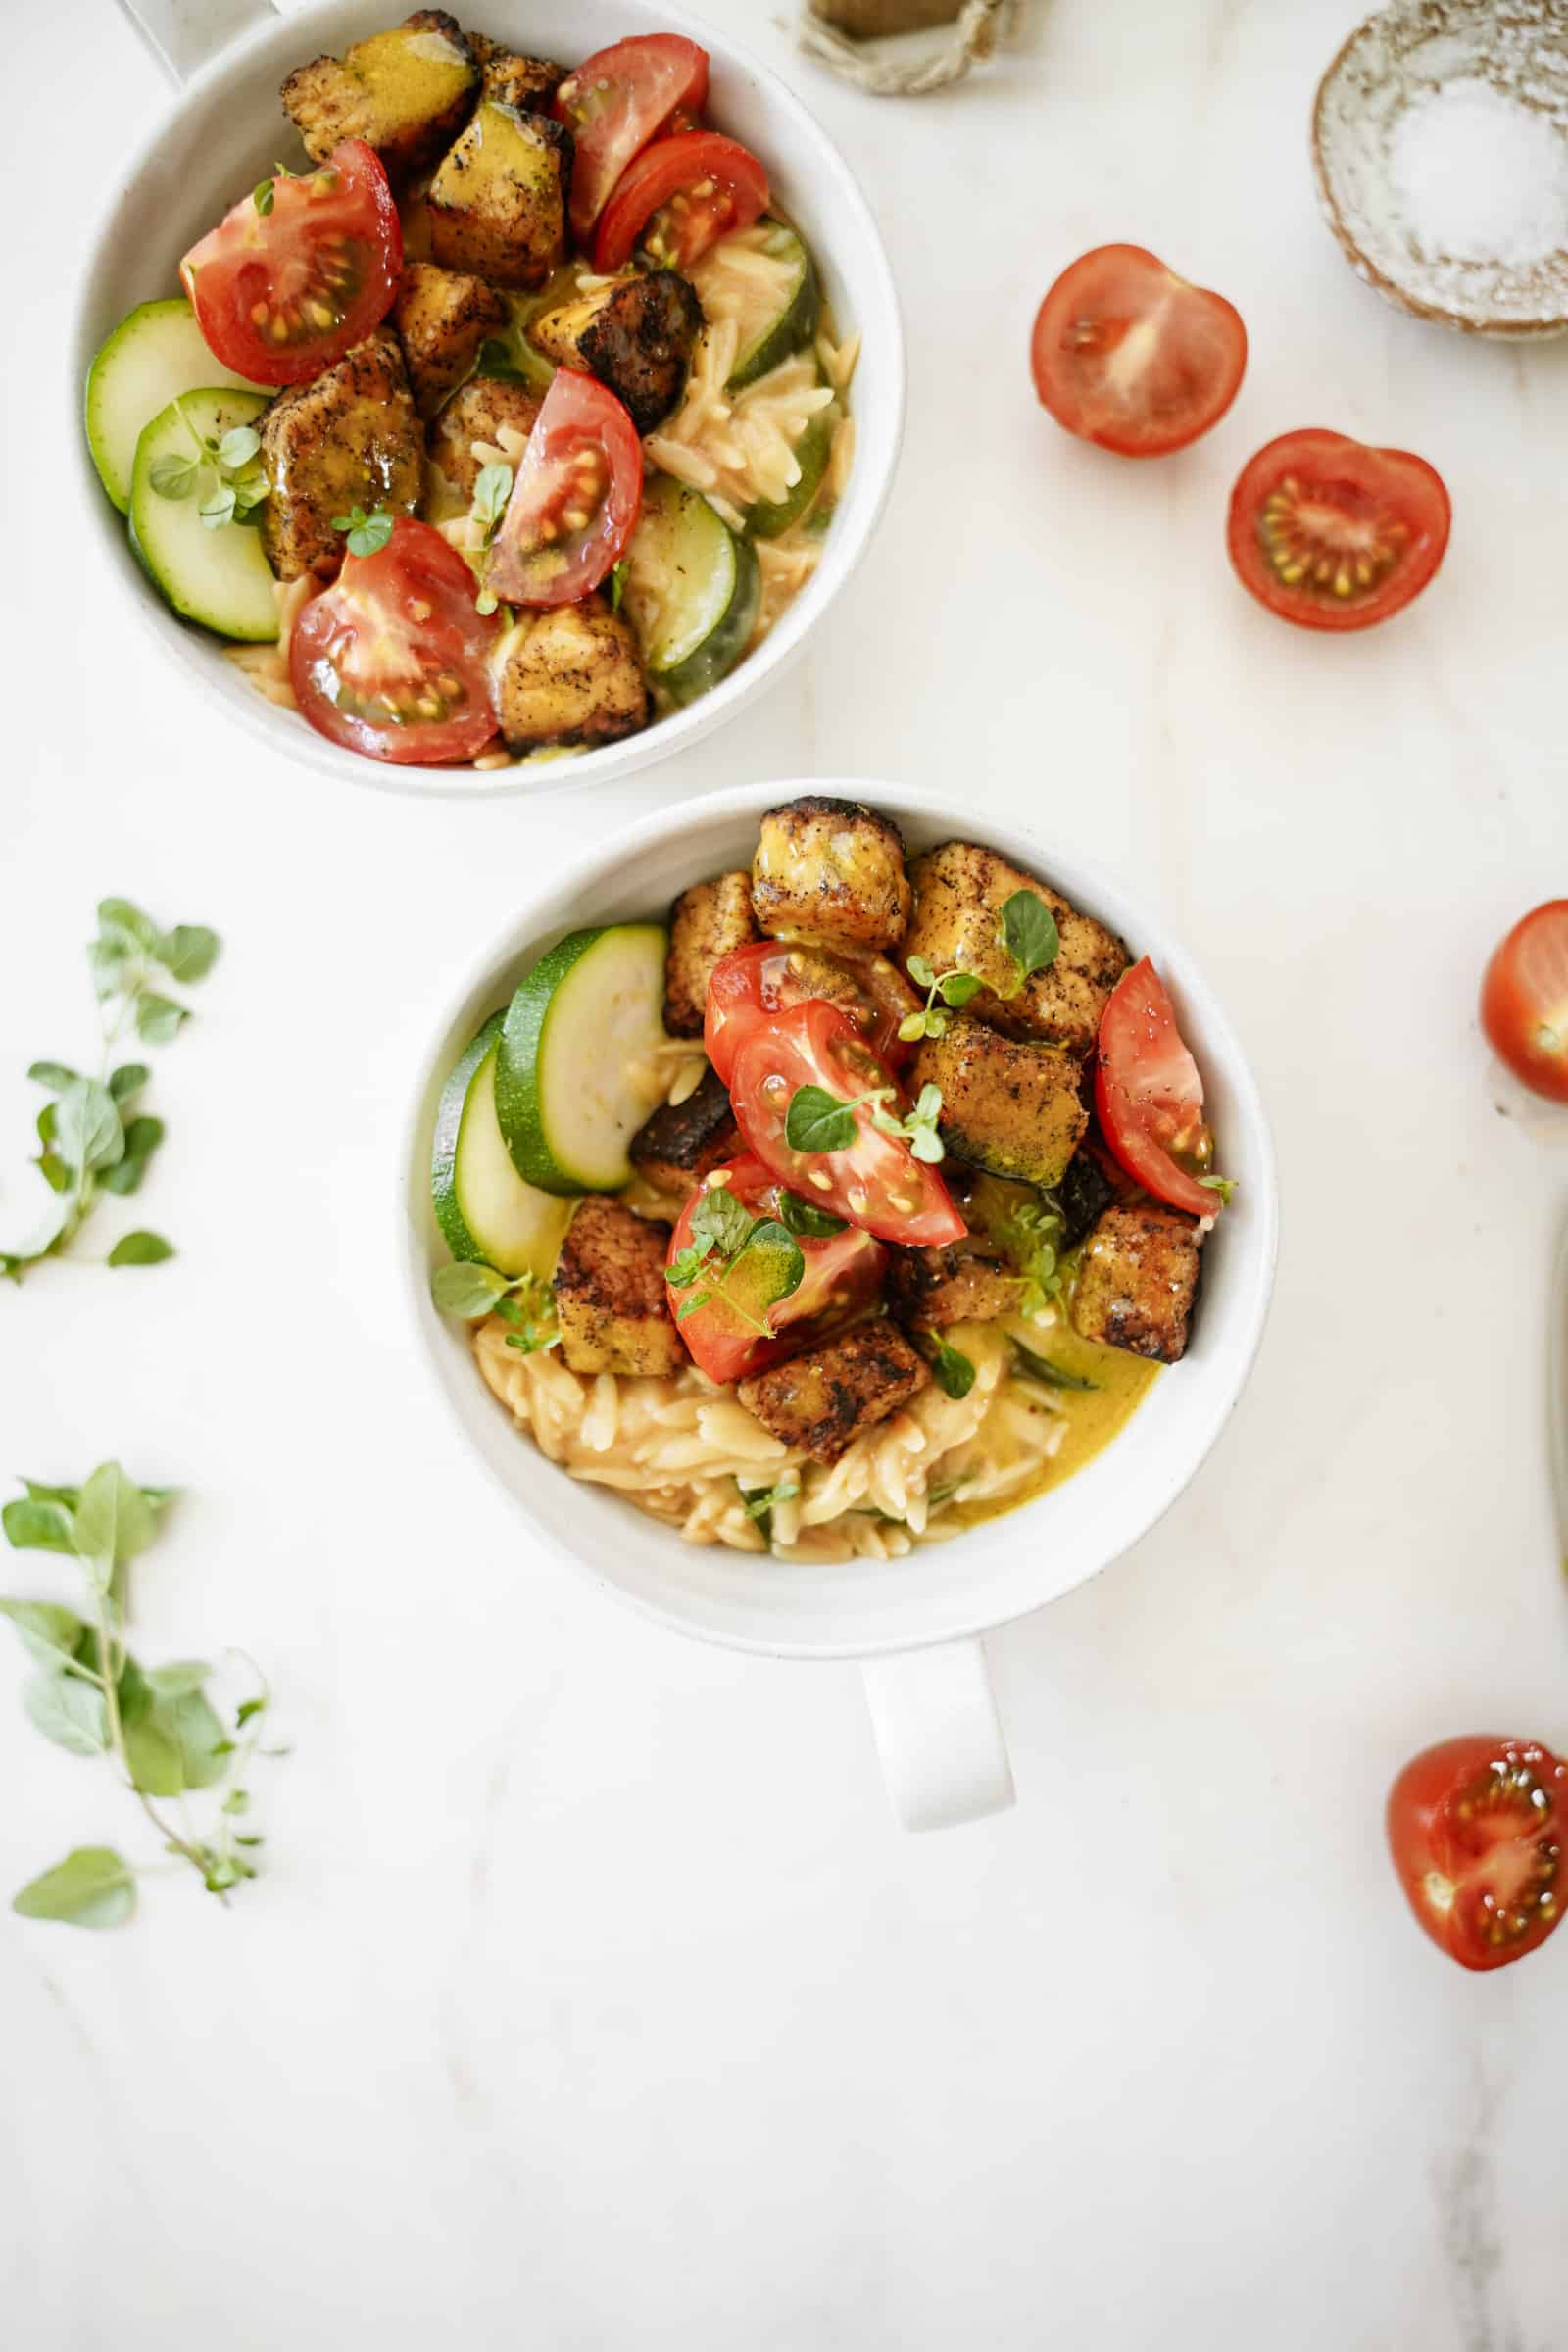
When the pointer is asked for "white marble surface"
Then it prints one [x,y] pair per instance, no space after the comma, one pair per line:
[592,1999]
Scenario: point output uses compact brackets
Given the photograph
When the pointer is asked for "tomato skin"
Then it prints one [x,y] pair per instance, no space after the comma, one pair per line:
[281,260]
[540,556]
[1476,1827]
[1130,355]
[1149,1094]
[748,986]
[359,639]
[665,170]
[842,1271]
[615,102]
[816,1045]
[1348,504]
[1524,1001]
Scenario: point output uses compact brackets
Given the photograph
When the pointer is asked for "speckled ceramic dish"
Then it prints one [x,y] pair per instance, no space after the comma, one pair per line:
[1440,139]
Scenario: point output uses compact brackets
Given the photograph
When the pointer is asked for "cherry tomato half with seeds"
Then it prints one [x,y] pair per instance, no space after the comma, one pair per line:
[1331,534]
[1524,1001]
[1475,1829]
[1127,354]
[747,987]
[282,293]
[615,102]
[874,1181]
[1149,1096]
[392,659]
[679,197]
[577,498]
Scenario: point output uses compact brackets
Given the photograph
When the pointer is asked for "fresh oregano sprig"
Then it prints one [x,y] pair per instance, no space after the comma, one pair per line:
[157,1724]
[1029,935]
[368,534]
[723,1232]
[818,1122]
[492,489]
[470,1290]
[955,988]
[222,474]
[90,1141]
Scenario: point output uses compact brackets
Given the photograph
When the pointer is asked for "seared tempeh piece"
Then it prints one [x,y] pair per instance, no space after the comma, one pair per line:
[442,316]
[831,872]
[352,436]
[477,412]
[406,93]
[1013,1108]
[637,336]
[959,892]
[706,923]
[682,1141]
[528,83]
[957,1282]
[571,673]
[612,1298]
[1138,1282]
[824,1401]
[498,204]
[1084,1193]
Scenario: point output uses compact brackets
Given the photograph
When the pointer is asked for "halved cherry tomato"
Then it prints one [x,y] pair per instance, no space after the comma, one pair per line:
[747,987]
[1127,354]
[391,659]
[1524,1000]
[1476,1827]
[1333,535]
[577,498]
[615,102]
[1149,1096]
[843,1272]
[875,1182]
[281,294]
[680,196]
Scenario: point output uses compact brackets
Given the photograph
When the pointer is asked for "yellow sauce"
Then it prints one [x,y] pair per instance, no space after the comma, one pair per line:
[1091,1416]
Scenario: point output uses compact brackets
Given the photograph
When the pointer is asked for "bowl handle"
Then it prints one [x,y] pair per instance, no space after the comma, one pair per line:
[185,34]
[934,1716]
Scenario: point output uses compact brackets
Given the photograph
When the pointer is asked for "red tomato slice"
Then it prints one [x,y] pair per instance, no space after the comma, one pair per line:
[1524,1000]
[747,987]
[843,1273]
[1127,354]
[1149,1096]
[391,659]
[615,102]
[679,197]
[875,1182]
[1476,1827]
[577,498]
[280,295]
[1333,535]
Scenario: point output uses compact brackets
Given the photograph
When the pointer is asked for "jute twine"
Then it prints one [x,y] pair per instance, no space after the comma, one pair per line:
[981,25]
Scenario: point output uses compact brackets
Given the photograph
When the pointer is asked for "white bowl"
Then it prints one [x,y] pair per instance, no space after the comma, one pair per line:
[221,134]
[940,1593]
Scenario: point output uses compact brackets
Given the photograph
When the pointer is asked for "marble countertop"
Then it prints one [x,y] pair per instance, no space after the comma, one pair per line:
[591,1999]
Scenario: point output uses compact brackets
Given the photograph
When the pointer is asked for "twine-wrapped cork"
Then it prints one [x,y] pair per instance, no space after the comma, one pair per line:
[830,30]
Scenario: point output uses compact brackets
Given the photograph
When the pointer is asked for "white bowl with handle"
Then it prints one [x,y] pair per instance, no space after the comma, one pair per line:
[220,136]
[914,1621]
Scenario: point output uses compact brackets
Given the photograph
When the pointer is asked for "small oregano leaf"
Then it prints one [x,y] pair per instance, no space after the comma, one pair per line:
[92,1888]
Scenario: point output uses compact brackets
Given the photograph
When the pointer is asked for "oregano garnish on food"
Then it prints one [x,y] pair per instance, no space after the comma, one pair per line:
[368,534]
[723,1233]
[818,1122]
[470,1290]
[492,490]
[221,474]
[955,988]
[1029,935]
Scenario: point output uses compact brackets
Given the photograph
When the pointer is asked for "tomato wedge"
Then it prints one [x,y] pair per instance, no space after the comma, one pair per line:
[615,102]
[1127,354]
[1524,1000]
[1149,1096]
[1476,1827]
[843,1272]
[747,987]
[391,659]
[679,197]
[577,498]
[874,1180]
[1331,534]
[282,293]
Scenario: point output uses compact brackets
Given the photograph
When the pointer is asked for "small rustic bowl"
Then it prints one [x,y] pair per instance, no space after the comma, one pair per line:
[1396,59]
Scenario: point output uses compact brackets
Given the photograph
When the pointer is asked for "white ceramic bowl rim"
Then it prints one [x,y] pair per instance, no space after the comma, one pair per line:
[942,1591]
[178,180]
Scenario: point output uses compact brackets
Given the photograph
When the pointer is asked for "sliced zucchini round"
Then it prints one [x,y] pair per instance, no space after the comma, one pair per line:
[770,519]
[483,1206]
[790,319]
[576,1073]
[155,352]
[219,577]
[693,599]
